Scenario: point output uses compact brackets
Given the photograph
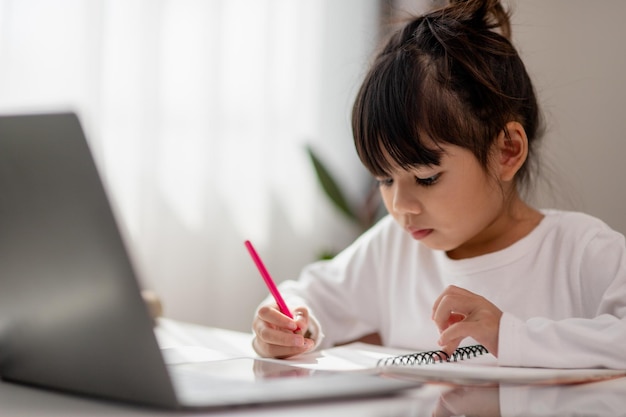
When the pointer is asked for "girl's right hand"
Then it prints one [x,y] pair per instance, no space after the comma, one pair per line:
[278,336]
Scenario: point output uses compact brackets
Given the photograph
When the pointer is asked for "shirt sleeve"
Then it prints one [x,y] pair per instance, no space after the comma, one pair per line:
[597,337]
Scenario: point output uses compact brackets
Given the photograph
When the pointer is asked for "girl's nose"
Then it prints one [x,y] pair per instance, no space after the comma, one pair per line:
[406,201]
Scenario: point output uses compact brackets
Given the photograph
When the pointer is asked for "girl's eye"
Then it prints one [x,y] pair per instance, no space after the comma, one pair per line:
[427,182]
[384,182]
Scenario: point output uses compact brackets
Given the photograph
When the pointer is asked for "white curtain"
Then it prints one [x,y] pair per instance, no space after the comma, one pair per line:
[197,112]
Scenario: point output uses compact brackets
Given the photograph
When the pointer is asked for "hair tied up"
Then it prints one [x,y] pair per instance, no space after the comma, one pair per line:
[479,14]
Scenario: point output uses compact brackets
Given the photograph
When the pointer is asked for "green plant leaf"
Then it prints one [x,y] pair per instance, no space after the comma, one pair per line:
[330,186]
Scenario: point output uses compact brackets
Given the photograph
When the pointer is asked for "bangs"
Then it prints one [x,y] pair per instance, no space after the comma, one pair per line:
[401,117]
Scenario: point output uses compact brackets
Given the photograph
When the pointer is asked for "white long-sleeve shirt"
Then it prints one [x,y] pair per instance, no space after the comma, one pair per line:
[562,290]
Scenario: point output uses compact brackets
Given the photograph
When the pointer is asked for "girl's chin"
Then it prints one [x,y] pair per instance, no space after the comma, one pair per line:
[431,243]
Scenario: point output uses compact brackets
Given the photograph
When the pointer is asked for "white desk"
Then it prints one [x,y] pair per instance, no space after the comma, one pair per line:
[606,398]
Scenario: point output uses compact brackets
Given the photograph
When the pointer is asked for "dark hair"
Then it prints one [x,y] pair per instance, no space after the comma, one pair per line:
[452,75]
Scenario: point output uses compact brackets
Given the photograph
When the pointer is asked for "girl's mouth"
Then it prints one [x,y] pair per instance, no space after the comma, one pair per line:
[419,234]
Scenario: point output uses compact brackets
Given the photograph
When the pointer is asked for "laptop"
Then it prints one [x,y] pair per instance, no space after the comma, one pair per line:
[71,313]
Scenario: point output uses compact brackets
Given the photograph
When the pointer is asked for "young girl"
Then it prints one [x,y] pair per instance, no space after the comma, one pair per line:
[447,121]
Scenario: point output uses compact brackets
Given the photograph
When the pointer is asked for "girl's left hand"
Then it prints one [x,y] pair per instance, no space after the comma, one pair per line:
[459,313]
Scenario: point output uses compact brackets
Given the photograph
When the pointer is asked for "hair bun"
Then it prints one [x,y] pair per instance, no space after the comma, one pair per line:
[479,14]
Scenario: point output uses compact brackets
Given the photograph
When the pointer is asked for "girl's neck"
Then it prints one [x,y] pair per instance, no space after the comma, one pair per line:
[515,221]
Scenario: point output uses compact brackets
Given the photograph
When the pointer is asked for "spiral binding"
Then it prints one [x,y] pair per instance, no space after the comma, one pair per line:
[434,356]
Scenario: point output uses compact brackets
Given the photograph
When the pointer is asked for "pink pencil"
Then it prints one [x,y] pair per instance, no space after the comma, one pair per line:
[268,280]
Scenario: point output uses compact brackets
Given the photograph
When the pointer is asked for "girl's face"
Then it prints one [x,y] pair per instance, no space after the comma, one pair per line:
[456,206]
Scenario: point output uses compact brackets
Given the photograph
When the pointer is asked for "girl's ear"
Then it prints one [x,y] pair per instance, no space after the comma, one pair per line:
[511,151]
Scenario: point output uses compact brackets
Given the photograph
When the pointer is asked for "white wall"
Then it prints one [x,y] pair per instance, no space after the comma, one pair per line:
[575,51]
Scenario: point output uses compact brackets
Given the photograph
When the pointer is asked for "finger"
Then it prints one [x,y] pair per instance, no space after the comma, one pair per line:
[452,309]
[269,342]
[449,345]
[271,314]
[278,351]
[455,318]
[484,328]
[453,335]
[269,333]
[301,317]
[450,290]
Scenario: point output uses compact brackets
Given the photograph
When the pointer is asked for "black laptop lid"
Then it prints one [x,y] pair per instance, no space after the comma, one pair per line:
[71,314]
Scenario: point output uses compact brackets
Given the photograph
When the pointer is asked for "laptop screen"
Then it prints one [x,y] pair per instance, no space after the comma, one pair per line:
[71,308]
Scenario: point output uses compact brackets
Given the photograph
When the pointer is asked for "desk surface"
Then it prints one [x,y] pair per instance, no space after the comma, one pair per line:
[605,398]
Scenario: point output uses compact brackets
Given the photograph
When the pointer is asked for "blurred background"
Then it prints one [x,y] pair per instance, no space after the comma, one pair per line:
[199,113]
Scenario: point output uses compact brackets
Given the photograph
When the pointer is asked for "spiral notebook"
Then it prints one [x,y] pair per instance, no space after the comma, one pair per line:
[433,356]
[468,365]
[475,365]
